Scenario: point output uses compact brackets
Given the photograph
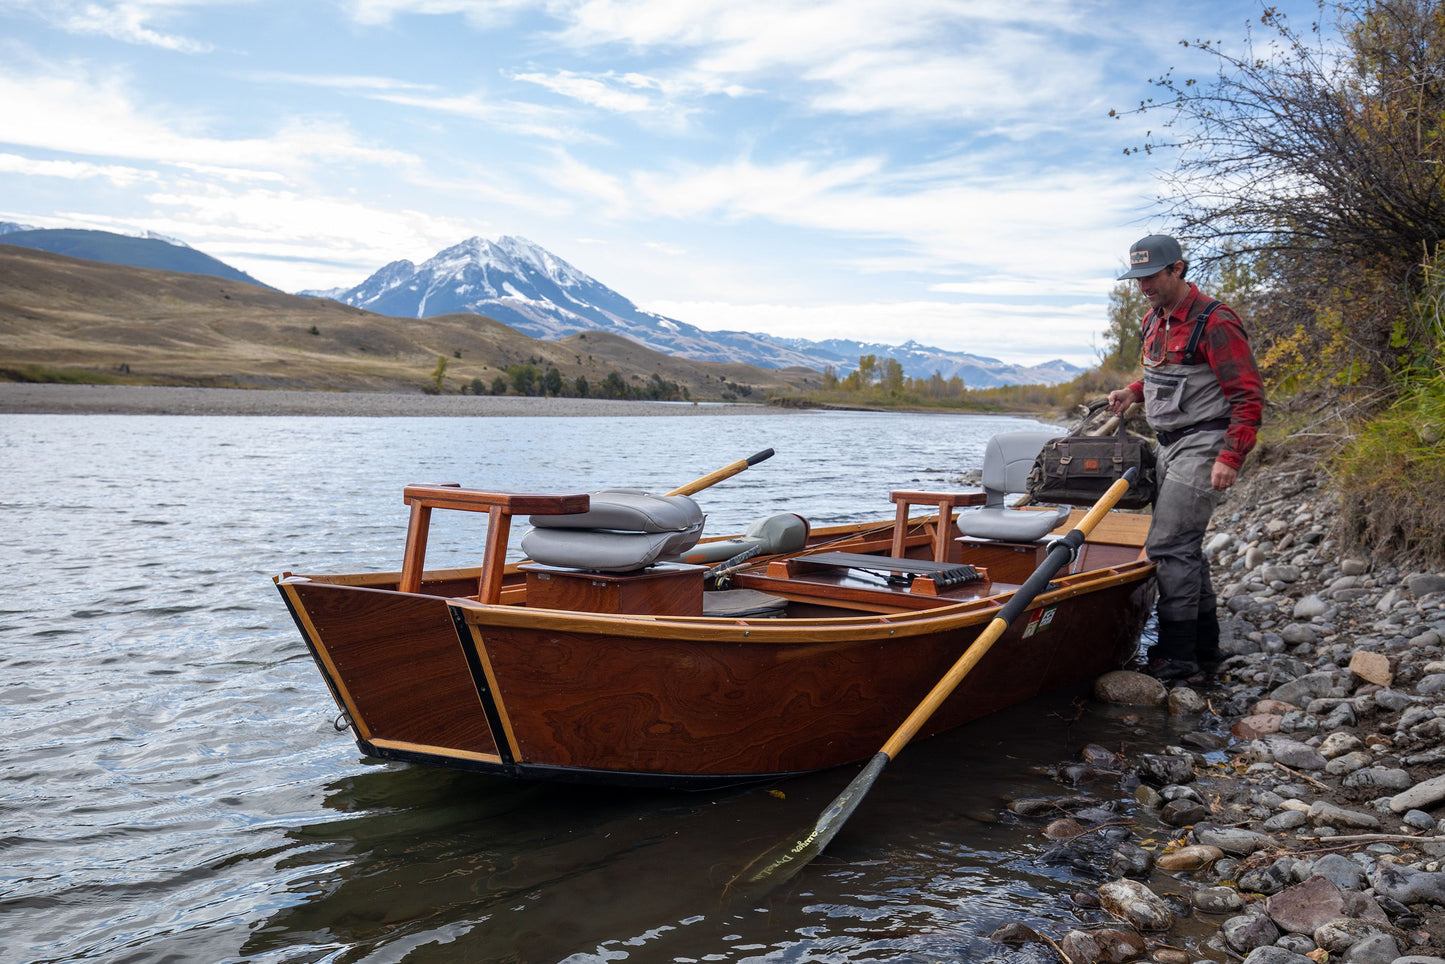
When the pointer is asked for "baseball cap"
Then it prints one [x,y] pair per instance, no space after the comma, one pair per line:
[1152,255]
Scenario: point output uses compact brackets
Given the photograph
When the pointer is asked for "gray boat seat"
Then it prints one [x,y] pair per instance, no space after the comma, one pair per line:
[623,530]
[1007,459]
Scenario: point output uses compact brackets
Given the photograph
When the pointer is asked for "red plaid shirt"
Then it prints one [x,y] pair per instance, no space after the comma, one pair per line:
[1225,349]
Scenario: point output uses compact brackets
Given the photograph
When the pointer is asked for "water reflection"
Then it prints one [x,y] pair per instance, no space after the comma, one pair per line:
[428,865]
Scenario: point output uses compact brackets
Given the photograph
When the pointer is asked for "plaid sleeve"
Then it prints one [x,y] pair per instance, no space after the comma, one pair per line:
[1227,350]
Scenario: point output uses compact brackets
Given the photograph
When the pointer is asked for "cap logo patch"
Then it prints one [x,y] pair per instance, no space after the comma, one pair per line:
[1139,257]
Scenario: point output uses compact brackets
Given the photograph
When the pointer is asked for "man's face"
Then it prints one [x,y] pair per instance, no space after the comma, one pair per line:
[1163,288]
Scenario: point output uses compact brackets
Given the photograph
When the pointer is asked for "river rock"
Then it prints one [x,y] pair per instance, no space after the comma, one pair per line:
[1407,884]
[1294,754]
[1326,814]
[1302,908]
[1194,857]
[1256,725]
[1182,701]
[1137,904]
[1421,796]
[1248,931]
[1298,634]
[1285,820]
[1375,949]
[1110,945]
[1310,606]
[1343,872]
[1065,828]
[1373,667]
[1099,756]
[1338,744]
[1183,813]
[1016,935]
[1380,780]
[1129,689]
[1342,933]
[1298,692]
[1232,840]
[1216,900]
[1163,769]
[1269,879]
[1130,860]
[1276,955]
[1424,583]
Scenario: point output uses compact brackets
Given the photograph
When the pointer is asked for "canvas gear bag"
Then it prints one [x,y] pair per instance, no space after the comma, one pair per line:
[1076,469]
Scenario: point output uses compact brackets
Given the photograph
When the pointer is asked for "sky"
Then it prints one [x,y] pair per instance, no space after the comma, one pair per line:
[944,171]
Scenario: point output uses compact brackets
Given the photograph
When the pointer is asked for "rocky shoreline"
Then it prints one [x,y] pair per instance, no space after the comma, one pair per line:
[1300,817]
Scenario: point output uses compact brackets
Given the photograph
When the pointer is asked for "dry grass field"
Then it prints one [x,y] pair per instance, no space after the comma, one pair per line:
[64,319]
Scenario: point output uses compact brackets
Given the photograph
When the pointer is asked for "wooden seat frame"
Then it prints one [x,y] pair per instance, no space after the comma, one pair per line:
[499,506]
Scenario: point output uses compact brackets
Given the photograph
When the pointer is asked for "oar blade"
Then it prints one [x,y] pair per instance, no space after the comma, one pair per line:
[778,865]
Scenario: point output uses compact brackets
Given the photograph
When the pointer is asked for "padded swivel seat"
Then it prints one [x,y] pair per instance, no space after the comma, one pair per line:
[1007,460]
[623,531]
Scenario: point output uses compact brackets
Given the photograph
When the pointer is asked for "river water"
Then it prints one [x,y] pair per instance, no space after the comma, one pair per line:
[172,787]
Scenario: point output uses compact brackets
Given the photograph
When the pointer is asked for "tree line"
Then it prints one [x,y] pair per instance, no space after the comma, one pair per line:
[1308,184]
[528,379]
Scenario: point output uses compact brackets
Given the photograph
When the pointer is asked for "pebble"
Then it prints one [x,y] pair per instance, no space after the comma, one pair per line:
[1304,809]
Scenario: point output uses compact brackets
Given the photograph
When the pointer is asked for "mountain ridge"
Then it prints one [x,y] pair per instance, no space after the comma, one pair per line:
[540,294]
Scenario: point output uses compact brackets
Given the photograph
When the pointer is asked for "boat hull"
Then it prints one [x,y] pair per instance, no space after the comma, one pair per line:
[441,679]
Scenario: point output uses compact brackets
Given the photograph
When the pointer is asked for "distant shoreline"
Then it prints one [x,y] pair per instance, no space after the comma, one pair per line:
[36,398]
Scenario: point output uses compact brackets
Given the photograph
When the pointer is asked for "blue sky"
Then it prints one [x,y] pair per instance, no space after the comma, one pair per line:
[940,170]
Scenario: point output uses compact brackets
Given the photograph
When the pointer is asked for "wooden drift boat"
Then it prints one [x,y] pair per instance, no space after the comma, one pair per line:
[649,678]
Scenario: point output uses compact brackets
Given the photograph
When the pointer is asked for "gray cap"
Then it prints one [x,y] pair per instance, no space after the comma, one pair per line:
[1152,255]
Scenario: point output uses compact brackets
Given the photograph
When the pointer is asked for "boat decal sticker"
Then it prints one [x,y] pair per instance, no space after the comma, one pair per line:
[1040,621]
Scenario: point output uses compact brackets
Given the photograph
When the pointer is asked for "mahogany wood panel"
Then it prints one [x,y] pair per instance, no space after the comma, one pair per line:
[663,590]
[613,702]
[401,664]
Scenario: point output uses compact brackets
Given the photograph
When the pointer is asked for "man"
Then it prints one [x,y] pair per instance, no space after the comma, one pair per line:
[1203,397]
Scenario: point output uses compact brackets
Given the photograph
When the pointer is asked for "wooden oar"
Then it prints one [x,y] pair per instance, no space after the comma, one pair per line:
[726,472]
[782,862]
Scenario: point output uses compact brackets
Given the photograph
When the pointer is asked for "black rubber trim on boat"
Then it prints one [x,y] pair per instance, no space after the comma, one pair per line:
[484,690]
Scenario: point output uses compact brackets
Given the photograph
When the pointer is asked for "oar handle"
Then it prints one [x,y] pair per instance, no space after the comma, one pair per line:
[1063,550]
[726,472]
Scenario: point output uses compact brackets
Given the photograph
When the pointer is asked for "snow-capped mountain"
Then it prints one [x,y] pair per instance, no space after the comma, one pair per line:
[532,290]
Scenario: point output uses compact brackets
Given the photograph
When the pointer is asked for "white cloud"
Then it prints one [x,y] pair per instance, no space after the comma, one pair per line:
[117,174]
[480,13]
[74,114]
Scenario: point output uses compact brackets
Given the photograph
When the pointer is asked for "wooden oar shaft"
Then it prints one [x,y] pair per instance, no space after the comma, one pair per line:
[1000,623]
[944,687]
[726,472]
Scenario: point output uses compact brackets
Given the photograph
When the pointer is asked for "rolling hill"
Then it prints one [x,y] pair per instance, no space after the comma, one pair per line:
[166,254]
[81,320]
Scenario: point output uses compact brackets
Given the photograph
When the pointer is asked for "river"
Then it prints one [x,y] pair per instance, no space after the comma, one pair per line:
[173,788]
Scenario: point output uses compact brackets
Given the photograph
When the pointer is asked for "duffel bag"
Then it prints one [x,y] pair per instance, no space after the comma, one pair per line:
[1077,469]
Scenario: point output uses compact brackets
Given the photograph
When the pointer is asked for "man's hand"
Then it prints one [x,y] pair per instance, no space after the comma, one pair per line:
[1120,399]
[1222,476]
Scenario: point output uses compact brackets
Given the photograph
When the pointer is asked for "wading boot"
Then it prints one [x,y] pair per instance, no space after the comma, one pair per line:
[1172,659]
[1206,646]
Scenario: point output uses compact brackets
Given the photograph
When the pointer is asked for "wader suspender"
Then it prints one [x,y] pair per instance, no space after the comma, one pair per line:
[1199,322]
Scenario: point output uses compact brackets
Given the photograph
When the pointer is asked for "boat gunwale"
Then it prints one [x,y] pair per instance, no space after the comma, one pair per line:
[860,628]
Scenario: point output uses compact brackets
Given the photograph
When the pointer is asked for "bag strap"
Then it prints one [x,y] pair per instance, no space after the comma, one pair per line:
[1199,322]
